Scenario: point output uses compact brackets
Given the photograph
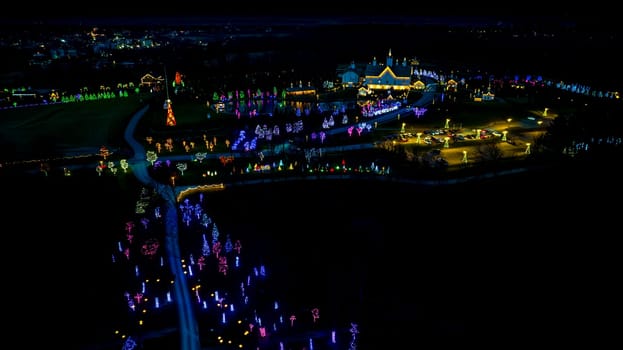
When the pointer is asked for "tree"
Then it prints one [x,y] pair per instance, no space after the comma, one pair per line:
[151,156]
[123,163]
[200,156]
[170,116]
[182,167]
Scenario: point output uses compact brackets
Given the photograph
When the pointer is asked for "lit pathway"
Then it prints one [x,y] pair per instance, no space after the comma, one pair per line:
[188,328]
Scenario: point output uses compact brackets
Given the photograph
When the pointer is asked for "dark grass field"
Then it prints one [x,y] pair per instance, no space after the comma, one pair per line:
[57,130]
[515,259]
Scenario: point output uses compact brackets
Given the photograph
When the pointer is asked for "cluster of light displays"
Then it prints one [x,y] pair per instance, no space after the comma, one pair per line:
[230,297]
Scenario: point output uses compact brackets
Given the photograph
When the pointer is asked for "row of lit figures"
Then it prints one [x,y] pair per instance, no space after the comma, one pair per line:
[446,143]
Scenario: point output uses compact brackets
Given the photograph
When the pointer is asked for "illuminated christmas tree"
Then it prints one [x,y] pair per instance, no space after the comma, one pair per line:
[229,245]
[170,116]
[205,247]
[167,104]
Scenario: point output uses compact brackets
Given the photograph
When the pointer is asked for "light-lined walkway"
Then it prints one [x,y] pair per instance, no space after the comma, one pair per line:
[188,328]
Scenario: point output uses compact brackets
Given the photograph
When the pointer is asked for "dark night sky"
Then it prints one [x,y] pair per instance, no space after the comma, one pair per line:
[184,9]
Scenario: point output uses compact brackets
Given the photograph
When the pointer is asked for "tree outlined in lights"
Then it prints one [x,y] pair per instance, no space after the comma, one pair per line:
[170,120]
[223,267]
[150,247]
[123,163]
[354,330]
[129,344]
[206,250]
[170,116]
[182,167]
[151,156]
[101,166]
[200,156]
[315,314]
[104,152]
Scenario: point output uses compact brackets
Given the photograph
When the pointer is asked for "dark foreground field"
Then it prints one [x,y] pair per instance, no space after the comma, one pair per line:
[515,259]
